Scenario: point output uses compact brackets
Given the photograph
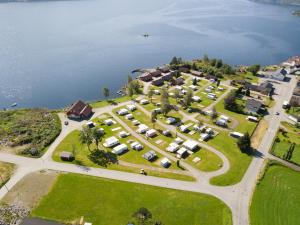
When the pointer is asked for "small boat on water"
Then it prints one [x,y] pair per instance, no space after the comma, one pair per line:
[13,105]
[119,92]
[146,35]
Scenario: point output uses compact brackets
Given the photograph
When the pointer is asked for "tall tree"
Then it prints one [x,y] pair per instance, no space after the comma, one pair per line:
[205,58]
[165,103]
[254,69]
[96,135]
[187,101]
[244,144]
[153,118]
[214,113]
[105,92]
[177,95]
[85,137]
[150,94]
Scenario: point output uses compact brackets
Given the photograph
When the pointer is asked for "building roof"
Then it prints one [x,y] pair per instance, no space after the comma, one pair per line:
[253,105]
[80,108]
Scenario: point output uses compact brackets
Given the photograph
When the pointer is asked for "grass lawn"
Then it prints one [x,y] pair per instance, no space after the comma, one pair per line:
[103,201]
[276,199]
[284,142]
[99,104]
[209,161]
[239,162]
[83,155]
[6,170]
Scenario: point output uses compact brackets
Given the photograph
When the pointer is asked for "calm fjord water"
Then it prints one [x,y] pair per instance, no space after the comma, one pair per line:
[54,52]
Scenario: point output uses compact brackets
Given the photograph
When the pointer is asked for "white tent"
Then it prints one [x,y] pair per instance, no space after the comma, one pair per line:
[190,144]
[151,133]
[111,141]
[119,149]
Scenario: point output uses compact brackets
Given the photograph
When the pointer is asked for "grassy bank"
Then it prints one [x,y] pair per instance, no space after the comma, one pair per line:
[35,129]
[74,196]
[276,199]
[6,170]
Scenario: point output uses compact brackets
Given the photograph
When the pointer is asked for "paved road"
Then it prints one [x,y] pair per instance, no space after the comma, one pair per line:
[237,197]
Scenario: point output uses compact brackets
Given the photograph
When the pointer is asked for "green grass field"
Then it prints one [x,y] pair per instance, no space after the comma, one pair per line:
[276,200]
[104,202]
[284,142]
[99,104]
[83,154]
[239,161]
[6,170]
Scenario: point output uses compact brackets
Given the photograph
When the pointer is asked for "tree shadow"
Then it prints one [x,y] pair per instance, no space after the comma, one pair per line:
[102,158]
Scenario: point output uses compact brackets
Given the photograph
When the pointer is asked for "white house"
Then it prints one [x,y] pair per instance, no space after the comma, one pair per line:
[111,141]
[136,146]
[170,120]
[131,107]
[118,150]
[129,116]
[135,122]
[209,131]
[190,144]
[221,122]
[178,140]
[144,102]
[183,128]
[165,162]
[196,98]
[193,87]
[156,92]
[236,134]
[252,118]
[158,110]
[142,128]
[166,132]
[211,96]
[109,122]
[123,134]
[173,147]
[181,152]
[223,117]
[208,90]
[122,112]
[204,136]
[151,133]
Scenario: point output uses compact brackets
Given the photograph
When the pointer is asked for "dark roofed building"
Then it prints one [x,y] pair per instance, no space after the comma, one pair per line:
[36,221]
[178,81]
[197,73]
[156,73]
[146,77]
[164,69]
[265,88]
[79,110]
[158,82]
[253,106]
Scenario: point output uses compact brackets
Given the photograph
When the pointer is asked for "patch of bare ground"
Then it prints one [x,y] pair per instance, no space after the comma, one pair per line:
[258,134]
[28,192]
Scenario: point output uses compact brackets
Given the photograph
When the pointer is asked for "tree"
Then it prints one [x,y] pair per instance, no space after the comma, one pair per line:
[96,135]
[254,69]
[85,137]
[244,144]
[129,79]
[230,103]
[130,90]
[177,94]
[205,58]
[214,113]
[219,63]
[194,66]
[74,150]
[165,103]
[195,81]
[174,61]
[150,93]
[187,101]
[105,92]
[218,83]
[213,62]
[153,118]
[142,215]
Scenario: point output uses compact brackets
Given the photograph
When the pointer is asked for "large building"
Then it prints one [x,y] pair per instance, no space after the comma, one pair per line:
[79,110]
